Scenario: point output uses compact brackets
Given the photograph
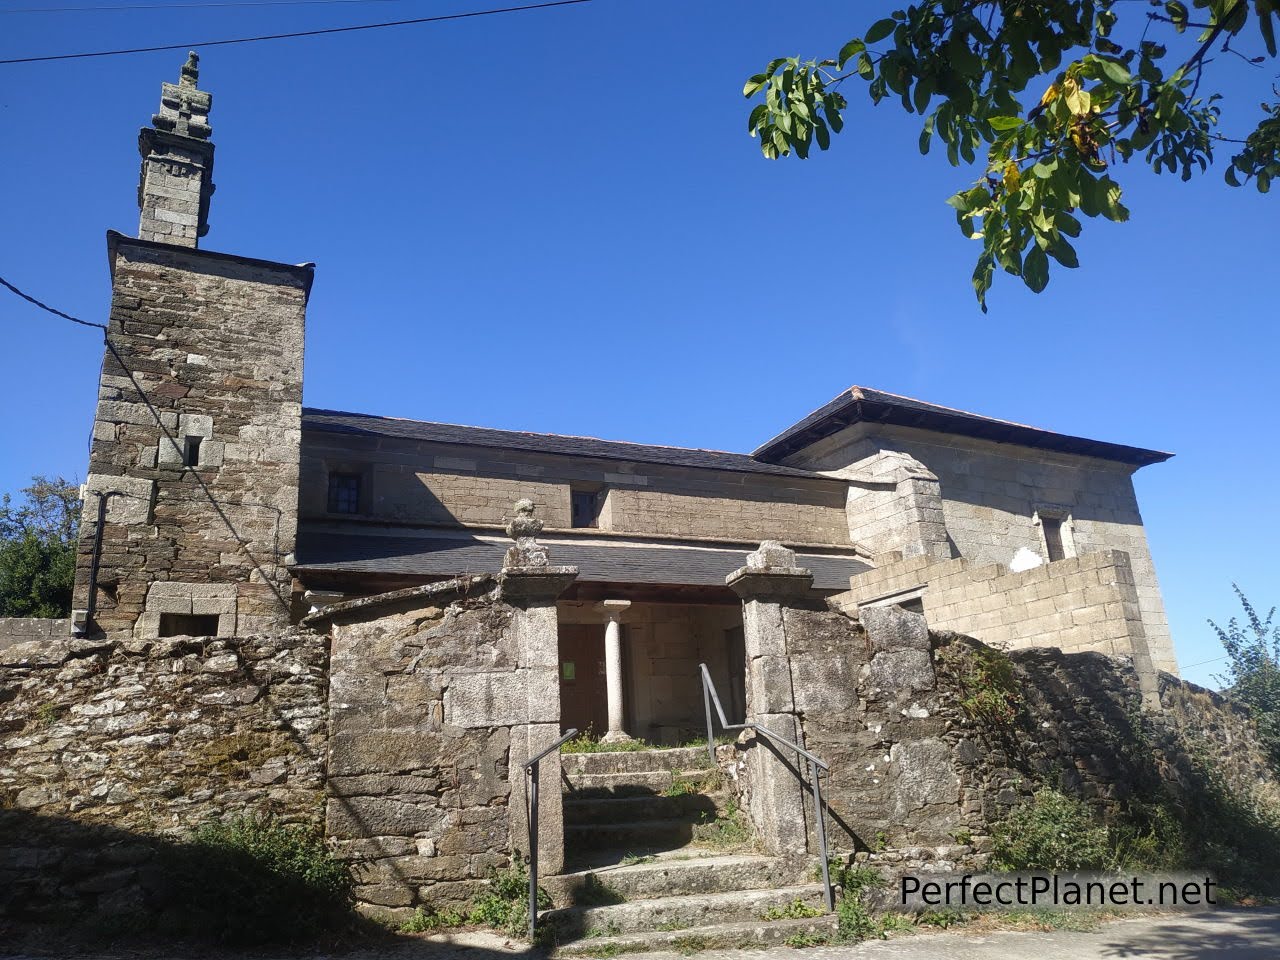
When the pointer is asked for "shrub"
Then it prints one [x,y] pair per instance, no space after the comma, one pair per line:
[255,880]
[427,919]
[1053,832]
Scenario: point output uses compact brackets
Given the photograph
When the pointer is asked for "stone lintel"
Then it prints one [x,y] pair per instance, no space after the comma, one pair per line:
[523,585]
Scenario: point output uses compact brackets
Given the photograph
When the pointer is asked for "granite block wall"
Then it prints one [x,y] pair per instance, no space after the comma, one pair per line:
[216,344]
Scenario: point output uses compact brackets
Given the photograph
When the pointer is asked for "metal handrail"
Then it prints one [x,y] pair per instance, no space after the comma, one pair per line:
[816,764]
[531,811]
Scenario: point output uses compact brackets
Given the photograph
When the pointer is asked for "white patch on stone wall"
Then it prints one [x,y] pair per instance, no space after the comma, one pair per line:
[1025,559]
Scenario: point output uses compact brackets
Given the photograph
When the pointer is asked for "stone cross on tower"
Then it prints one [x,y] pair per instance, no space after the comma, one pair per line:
[177,163]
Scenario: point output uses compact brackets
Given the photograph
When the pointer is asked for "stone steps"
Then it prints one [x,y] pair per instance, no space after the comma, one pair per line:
[635,761]
[687,912]
[630,809]
[720,936]
[621,835]
[678,873]
[640,782]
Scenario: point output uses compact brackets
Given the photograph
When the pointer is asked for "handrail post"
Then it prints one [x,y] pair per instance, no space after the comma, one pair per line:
[532,771]
[820,819]
[706,704]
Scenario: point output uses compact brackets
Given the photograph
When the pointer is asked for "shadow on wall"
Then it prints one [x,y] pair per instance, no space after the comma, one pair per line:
[68,885]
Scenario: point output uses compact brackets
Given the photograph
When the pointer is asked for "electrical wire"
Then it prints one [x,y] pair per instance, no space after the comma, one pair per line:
[155,415]
[295,34]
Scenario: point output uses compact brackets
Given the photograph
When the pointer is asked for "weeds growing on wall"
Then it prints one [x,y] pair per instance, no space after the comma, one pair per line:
[253,880]
[990,694]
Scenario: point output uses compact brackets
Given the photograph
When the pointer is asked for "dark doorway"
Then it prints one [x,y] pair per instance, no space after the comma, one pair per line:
[583,700]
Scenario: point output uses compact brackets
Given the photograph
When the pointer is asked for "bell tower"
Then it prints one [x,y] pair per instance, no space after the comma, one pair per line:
[176,180]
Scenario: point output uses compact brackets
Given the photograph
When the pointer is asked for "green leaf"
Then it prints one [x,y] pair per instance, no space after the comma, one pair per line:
[756,118]
[880,29]
[866,69]
[753,85]
[850,50]
[926,135]
[1064,253]
[1004,123]
[1116,72]
[824,136]
[1035,269]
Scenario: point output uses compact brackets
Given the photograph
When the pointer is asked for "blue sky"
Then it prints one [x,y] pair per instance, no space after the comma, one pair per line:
[555,221]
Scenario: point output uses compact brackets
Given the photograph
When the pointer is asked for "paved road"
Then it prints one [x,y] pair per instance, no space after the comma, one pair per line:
[1230,934]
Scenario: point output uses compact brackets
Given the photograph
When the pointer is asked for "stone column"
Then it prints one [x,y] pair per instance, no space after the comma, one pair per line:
[768,583]
[613,610]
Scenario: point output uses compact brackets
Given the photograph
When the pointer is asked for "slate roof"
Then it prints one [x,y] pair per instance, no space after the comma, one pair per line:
[438,555]
[864,405]
[334,421]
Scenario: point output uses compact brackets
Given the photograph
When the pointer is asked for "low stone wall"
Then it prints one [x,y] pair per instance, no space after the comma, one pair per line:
[138,739]
[25,630]
[932,736]
[1089,602]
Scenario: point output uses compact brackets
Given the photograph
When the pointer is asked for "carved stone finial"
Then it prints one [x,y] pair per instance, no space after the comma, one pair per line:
[772,555]
[524,528]
[184,109]
[190,76]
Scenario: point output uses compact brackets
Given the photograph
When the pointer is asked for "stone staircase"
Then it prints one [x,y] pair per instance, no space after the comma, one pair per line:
[657,858]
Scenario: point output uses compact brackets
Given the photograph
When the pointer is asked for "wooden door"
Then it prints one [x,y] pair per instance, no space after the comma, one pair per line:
[583,699]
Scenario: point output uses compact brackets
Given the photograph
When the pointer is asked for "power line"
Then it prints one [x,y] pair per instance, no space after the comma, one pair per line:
[299,33]
[45,306]
[155,415]
[187,6]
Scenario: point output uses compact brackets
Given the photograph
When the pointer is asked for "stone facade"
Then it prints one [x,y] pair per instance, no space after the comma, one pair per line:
[947,496]
[430,483]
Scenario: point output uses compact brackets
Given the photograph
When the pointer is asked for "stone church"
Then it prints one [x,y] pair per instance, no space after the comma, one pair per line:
[217,504]
[322,614]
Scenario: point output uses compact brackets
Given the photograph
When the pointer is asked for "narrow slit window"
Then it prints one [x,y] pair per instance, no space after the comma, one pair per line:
[344,493]
[191,451]
[1053,538]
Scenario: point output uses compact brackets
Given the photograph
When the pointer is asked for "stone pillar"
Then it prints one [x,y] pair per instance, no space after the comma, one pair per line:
[768,582]
[531,585]
[613,610]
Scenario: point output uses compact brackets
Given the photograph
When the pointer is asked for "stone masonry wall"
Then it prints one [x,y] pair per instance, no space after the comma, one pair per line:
[106,745]
[439,694]
[415,482]
[991,494]
[1080,603]
[216,343]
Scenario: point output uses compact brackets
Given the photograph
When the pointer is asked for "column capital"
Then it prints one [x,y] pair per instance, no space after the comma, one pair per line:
[612,610]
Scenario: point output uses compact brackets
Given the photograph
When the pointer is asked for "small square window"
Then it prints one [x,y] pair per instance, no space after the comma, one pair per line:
[1053,546]
[586,507]
[191,451]
[344,493]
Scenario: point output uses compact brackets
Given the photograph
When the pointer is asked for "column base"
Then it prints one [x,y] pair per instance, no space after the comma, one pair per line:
[617,736]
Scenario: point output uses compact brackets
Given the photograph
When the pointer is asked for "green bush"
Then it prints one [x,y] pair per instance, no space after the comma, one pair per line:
[427,919]
[255,880]
[1053,832]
